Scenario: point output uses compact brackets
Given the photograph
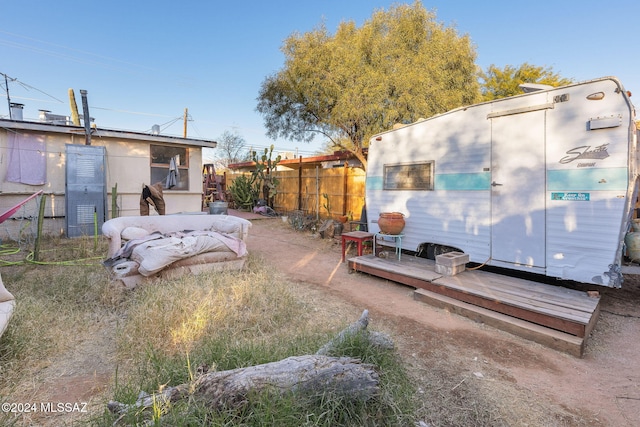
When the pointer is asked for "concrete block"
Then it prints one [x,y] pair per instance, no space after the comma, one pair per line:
[452,259]
[449,271]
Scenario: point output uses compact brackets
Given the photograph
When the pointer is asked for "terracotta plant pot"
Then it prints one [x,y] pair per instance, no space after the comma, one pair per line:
[342,218]
[391,222]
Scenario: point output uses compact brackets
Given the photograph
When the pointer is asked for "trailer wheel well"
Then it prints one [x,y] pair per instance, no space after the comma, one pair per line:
[431,250]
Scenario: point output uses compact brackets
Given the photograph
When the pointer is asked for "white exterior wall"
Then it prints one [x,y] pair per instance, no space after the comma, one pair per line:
[459,145]
[584,238]
[128,166]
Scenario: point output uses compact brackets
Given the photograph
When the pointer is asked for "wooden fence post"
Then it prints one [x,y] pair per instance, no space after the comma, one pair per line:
[300,183]
[345,179]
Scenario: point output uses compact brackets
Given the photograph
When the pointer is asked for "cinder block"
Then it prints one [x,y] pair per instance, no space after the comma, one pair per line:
[452,259]
[449,271]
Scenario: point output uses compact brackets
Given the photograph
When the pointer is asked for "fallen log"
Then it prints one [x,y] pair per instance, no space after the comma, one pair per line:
[305,375]
[308,375]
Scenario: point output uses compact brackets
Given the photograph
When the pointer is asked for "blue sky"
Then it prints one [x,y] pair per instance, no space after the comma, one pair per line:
[143,62]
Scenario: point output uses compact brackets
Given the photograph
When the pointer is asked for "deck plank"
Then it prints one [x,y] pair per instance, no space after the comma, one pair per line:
[548,337]
[568,303]
[562,309]
[546,299]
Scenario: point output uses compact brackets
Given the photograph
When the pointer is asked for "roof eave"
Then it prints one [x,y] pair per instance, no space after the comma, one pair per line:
[107,133]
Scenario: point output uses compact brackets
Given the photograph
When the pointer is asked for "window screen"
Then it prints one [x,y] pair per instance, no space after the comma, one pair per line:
[160,160]
[409,176]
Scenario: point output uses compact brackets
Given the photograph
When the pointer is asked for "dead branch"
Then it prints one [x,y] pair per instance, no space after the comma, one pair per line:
[359,327]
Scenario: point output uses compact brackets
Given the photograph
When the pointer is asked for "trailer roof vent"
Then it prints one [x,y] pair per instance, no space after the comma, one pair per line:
[533,87]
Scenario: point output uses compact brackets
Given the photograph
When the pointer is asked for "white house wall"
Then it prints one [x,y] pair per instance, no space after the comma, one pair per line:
[12,193]
[128,166]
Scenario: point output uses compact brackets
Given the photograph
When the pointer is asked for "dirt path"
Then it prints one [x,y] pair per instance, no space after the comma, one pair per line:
[605,384]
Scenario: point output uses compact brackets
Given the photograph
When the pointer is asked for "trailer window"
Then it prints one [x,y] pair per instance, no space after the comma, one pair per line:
[409,176]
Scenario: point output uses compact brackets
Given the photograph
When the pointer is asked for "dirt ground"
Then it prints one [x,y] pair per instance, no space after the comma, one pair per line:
[605,383]
[603,387]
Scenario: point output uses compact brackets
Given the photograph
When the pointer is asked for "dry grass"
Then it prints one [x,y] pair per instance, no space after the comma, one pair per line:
[71,321]
[67,312]
[57,304]
[257,305]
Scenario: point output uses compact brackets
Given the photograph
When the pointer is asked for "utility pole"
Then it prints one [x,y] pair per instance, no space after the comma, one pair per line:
[186,115]
[6,85]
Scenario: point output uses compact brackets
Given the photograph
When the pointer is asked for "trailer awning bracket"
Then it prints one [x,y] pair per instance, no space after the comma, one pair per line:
[520,110]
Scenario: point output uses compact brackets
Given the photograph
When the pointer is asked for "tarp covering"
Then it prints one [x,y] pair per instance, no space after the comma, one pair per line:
[27,159]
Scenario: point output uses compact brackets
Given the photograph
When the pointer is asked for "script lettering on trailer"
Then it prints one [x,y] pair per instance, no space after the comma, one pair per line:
[584,152]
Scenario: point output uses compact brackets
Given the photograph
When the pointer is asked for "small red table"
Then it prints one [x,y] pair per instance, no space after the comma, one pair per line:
[356,236]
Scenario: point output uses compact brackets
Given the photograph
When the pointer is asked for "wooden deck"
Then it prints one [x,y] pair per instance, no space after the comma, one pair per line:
[553,316]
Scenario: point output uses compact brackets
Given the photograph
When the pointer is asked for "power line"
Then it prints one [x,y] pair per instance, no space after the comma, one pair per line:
[107,63]
[140,113]
[26,86]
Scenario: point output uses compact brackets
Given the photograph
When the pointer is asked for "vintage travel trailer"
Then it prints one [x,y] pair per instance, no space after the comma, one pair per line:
[544,182]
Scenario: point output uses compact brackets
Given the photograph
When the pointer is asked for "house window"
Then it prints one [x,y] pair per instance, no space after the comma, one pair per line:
[160,161]
[409,176]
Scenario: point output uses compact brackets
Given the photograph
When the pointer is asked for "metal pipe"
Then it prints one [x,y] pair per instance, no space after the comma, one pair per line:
[87,119]
[6,85]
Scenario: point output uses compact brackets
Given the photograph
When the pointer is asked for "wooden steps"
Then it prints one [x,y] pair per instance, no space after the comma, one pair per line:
[554,316]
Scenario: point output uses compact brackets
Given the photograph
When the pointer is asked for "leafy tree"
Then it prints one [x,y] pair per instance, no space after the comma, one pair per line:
[401,65]
[502,82]
[329,147]
[231,148]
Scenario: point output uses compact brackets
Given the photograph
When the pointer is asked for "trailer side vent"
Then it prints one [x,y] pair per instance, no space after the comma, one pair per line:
[605,122]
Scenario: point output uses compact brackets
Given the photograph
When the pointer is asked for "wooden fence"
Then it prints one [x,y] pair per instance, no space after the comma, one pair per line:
[305,190]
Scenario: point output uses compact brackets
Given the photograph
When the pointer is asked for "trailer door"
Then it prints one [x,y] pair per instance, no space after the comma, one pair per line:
[518,188]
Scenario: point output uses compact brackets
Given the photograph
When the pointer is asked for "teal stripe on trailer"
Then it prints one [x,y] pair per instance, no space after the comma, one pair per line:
[592,179]
[463,181]
[450,181]
[374,183]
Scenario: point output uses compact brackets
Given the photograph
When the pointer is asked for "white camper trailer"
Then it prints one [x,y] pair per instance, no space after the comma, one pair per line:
[544,182]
